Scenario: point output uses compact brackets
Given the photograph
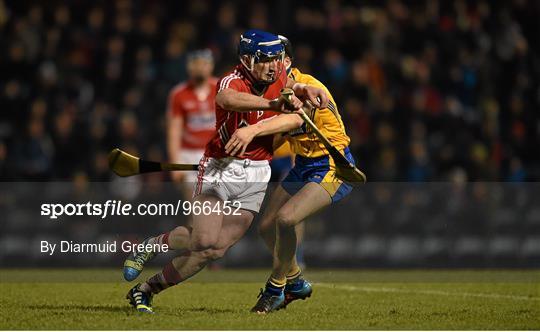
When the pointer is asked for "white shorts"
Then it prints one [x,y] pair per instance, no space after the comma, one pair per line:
[190,156]
[230,179]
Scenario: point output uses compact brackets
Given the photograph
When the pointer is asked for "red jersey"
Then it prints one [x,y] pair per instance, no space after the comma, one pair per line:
[228,121]
[198,113]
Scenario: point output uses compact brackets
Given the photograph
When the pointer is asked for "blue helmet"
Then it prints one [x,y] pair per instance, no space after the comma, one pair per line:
[260,45]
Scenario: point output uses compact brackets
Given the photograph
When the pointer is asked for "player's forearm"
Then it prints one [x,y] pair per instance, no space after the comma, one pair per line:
[279,124]
[314,94]
[232,100]
[298,88]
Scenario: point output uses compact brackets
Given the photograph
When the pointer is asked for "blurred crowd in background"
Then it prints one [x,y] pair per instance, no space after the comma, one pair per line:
[429,90]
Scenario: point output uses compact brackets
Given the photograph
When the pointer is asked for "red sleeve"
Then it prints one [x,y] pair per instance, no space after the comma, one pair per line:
[230,81]
[174,106]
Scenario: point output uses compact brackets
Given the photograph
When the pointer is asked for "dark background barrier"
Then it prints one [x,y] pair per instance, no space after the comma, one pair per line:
[379,225]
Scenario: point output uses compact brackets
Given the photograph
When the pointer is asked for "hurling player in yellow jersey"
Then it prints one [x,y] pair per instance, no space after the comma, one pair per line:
[310,186]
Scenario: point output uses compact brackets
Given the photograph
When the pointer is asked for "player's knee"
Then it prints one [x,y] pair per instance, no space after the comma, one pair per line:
[203,242]
[217,254]
[213,254]
[284,219]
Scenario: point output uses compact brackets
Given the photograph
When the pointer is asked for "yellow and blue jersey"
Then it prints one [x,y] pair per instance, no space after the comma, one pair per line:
[284,150]
[303,140]
[313,162]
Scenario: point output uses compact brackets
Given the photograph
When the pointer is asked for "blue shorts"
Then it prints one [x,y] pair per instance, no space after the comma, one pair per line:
[321,170]
[280,168]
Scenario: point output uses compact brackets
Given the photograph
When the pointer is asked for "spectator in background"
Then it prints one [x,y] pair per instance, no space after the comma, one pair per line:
[191,116]
[33,153]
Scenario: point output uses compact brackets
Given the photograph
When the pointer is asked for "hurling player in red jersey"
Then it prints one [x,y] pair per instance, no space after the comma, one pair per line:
[191,116]
[247,96]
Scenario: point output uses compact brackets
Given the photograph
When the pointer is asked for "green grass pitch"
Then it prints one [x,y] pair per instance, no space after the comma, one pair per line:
[217,300]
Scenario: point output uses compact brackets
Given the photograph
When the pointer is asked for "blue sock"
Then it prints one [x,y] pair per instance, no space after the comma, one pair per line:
[296,285]
[273,289]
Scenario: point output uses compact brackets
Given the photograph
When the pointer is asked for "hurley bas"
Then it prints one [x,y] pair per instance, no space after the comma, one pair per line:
[107,247]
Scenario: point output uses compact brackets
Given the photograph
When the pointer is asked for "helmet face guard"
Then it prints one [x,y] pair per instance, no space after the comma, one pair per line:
[265,57]
[260,57]
[260,47]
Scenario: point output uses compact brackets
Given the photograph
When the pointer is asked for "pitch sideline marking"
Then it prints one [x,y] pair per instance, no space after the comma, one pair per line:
[427,292]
